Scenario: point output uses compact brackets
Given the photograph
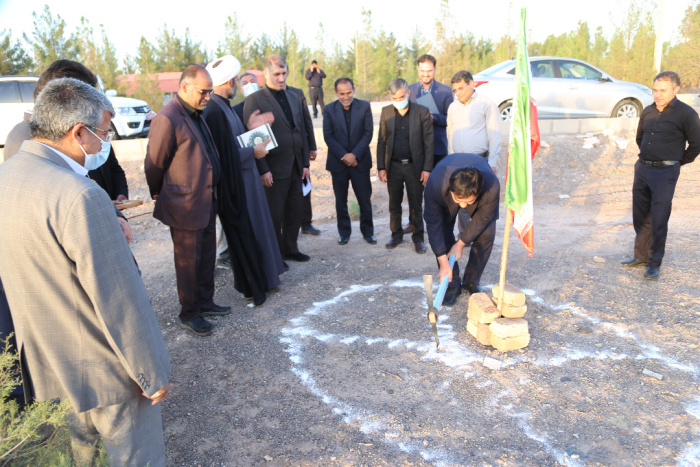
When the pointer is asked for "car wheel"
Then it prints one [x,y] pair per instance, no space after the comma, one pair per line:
[506,110]
[116,135]
[626,108]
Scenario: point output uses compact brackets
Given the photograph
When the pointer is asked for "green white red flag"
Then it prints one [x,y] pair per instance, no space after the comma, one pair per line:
[524,144]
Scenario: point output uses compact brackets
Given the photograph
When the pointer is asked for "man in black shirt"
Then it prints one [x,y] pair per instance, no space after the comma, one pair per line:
[315,77]
[284,167]
[664,128]
[405,157]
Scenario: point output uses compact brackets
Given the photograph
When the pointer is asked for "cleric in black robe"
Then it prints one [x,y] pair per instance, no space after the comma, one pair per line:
[246,259]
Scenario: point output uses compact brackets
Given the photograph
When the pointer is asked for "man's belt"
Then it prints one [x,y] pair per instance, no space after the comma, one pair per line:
[404,161]
[314,86]
[658,163]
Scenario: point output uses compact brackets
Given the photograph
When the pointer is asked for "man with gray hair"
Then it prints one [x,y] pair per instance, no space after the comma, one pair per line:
[405,157]
[86,331]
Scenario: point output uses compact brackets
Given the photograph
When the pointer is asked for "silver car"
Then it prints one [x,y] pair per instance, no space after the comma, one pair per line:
[565,88]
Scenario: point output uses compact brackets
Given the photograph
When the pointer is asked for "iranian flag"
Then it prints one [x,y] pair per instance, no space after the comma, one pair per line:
[524,143]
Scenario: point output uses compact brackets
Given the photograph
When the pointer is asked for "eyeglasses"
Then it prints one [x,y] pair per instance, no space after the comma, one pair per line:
[204,92]
[109,134]
[459,88]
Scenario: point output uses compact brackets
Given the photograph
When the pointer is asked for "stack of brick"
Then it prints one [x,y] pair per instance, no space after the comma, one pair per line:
[504,329]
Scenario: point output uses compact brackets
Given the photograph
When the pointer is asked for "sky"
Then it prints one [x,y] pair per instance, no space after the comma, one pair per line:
[126,21]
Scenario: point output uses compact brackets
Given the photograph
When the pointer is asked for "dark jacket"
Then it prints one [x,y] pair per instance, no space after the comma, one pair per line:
[178,169]
[442,95]
[291,155]
[421,138]
[441,208]
[336,134]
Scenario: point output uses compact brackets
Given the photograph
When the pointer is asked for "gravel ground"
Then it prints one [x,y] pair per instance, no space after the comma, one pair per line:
[339,366]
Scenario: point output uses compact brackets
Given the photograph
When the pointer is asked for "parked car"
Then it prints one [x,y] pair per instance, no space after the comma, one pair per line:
[132,116]
[565,88]
[16,97]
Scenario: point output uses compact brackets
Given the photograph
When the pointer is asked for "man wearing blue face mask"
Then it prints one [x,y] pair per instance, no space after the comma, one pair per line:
[405,157]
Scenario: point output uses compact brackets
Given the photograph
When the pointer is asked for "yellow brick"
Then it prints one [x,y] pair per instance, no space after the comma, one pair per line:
[480,331]
[510,343]
[509,327]
[509,311]
[481,309]
[511,296]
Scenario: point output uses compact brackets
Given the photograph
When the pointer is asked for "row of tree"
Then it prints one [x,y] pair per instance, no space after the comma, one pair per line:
[372,58]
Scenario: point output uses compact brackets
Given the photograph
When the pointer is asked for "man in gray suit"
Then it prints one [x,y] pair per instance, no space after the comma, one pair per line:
[86,331]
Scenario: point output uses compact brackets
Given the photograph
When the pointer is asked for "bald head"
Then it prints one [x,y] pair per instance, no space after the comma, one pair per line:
[195,86]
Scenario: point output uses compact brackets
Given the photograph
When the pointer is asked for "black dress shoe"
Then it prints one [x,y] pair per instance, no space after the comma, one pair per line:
[451,296]
[216,310]
[420,247]
[300,257]
[652,272]
[472,287]
[371,239]
[310,230]
[343,240]
[634,262]
[393,243]
[408,229]
[198,326]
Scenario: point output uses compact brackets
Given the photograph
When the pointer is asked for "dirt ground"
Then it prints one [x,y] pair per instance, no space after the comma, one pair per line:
[339,366]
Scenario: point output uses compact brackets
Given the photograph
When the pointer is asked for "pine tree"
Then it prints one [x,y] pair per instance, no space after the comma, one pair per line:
[14,60]
[50,42]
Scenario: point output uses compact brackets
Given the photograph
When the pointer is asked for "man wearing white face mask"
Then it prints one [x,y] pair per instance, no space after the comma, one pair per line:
[248,84]
[85,327]
[405,157]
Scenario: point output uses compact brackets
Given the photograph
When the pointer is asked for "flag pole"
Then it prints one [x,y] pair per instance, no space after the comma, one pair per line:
[504,260]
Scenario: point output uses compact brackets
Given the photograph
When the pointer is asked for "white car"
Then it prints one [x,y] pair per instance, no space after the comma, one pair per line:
[16,97]
[132,116]
[565,88]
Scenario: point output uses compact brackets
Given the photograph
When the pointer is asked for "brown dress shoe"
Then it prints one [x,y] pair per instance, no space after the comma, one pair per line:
[420,247]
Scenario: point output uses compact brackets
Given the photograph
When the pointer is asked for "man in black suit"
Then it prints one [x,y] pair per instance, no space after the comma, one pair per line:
[462,181]
[284,168]
[348,129]
[405,157]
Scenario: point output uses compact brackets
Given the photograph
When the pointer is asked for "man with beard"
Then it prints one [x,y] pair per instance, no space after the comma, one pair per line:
[244,213]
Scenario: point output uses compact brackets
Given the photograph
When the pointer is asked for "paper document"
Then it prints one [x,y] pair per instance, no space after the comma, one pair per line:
[428,101]
[257,136]
[306,186]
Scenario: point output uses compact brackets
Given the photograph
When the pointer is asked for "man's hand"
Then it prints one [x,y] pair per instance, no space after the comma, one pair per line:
[382,175]
[312,155]
[349,159]
[257,119]
[121,198]
[445,269]
[126,228]
[159,396]
[494,171]
[431,116]
[424,177]
[266,179]
[457,250]
[259,150]
[305,173]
